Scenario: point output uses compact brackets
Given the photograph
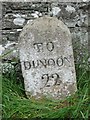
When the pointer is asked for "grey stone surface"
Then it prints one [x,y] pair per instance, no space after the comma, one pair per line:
[46,0]
[46,58]
[15,15]
[74,15]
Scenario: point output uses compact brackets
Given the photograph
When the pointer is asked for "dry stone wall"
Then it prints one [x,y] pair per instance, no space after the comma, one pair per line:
[15,15]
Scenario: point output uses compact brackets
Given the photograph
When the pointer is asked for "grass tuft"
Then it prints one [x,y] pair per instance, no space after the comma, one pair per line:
[16,105]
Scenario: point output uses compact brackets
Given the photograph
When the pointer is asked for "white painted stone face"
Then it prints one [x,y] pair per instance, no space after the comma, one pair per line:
[46,58]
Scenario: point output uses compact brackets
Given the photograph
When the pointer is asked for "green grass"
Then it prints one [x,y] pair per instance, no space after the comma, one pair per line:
[16,105]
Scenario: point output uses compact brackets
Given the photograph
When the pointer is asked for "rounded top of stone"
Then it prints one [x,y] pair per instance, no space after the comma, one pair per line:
[45,23]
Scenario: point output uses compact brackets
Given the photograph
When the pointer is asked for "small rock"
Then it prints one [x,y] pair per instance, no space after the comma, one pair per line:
[16,15]
[55,11]
[9,44]
[40,14]
[33,5]
[79,23]
[36,12]
[23,16]
[70,24]
[1,49]
[19,30]
[19,21]
[8,15]
[34,15]
[12,32]
[84,0]
[70,9]
[19,15]
[89,60]
[29,21]
[14,51]
[86,22]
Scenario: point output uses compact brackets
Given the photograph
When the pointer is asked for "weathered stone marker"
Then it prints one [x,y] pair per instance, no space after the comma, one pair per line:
[46,57]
